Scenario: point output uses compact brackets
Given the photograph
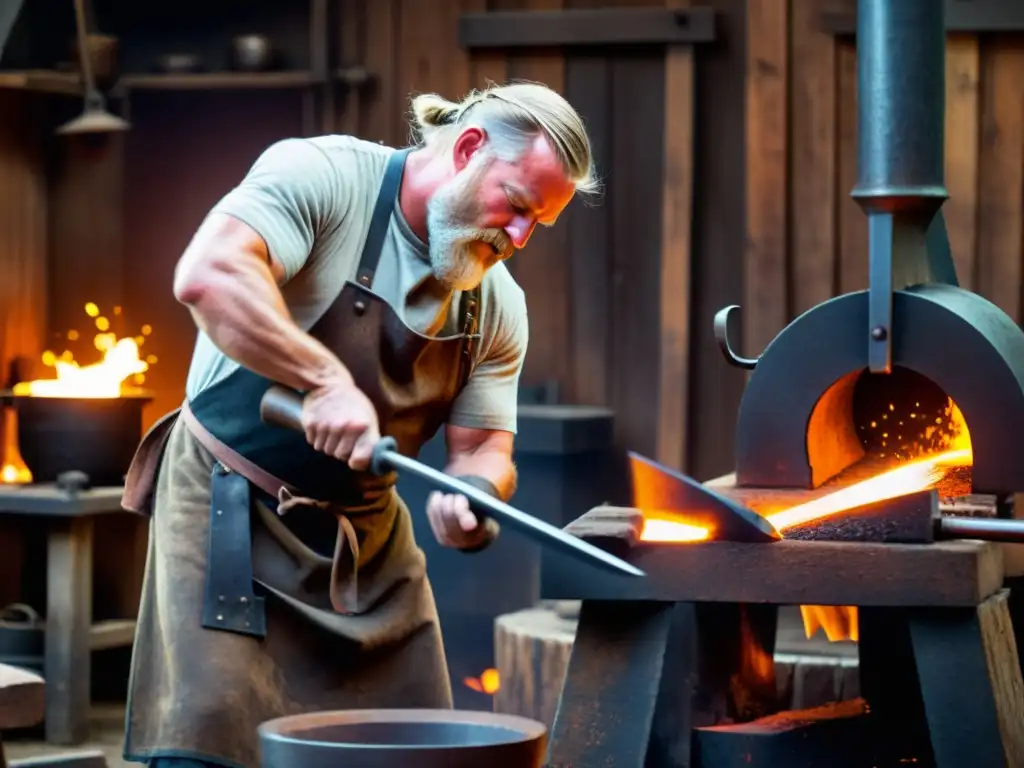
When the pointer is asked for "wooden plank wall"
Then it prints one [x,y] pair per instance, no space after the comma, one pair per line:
[808,237]
[22,276]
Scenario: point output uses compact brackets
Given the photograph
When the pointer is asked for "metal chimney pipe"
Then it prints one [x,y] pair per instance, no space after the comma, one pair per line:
[901,100]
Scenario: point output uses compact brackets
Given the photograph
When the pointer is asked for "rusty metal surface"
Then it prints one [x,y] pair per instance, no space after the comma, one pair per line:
[398,738]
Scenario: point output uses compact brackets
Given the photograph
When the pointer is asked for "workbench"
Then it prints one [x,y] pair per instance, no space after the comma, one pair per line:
[71,635]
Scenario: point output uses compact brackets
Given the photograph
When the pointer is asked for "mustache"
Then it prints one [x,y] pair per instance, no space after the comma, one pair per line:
[501,242]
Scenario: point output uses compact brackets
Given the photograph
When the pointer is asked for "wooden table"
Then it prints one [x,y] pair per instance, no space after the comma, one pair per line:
[71,635]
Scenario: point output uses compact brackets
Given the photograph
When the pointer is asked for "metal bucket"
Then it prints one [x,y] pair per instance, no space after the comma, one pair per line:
[397,738]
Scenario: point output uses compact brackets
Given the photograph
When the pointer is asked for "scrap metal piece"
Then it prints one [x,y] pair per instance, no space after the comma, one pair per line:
[664,489]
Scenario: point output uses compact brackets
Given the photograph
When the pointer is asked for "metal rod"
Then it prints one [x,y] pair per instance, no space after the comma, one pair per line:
[901,47]
[981,528]
[385,457]
[283,407]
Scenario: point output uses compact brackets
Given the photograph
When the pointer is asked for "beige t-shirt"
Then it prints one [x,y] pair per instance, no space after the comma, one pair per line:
[311,200]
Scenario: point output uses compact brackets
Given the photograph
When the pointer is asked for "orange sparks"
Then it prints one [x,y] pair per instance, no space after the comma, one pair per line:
[489,682]
[910,478]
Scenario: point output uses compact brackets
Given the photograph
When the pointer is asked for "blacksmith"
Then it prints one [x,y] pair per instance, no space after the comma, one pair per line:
[282,576]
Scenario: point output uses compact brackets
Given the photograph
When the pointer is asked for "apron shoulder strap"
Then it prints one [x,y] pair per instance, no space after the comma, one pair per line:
[381,217]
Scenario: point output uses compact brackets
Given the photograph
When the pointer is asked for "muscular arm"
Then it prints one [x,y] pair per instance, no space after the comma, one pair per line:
[229,282]
[484,453]
[256,238]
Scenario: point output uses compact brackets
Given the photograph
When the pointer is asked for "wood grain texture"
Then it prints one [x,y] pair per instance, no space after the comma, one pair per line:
[766,307]
[974,710]
[531,652]
[853,224]
[23,281]
[542,268]
[1001,176]
[676,257]
[1004,674]
[961,168]
[790,572]
[813,160]
[23,239]
[86,237]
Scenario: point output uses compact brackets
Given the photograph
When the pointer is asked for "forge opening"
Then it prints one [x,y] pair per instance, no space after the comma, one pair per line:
[884,420]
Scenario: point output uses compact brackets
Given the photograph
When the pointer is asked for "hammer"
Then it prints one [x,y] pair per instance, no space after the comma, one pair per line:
[283,407]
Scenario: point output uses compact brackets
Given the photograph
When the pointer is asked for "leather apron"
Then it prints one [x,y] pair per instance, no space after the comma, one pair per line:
[279,581]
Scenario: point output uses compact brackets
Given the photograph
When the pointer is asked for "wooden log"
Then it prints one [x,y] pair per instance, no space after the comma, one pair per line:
[531,650]
[834,735]
[953,573]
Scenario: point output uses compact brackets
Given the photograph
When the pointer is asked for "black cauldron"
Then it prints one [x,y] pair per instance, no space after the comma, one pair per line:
[97,436]
[397,738]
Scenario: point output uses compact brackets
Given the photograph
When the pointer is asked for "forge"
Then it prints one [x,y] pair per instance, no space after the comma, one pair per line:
[876,437]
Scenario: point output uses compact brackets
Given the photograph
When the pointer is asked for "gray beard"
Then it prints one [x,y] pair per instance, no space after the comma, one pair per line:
[454,255]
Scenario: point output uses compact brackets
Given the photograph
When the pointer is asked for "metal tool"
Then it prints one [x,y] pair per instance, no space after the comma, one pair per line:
[660,488]
[283,407]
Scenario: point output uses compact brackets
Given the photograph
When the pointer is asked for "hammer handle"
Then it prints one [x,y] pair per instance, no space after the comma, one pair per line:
[282,407]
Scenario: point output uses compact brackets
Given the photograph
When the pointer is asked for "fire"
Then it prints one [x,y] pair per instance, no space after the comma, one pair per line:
[910,478]
[838,622]
[666,528]
[14,471]
[105,379]
[489,682]
[944,444]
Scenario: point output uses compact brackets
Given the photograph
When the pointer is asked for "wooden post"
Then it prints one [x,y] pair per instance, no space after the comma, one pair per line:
[971,683]
[68,617]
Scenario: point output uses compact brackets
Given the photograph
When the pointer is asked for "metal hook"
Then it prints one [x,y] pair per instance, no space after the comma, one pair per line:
[722,339]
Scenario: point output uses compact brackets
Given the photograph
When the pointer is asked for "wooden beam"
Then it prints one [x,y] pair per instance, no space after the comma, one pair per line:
[605,26]
[975,707]
[788,572]
[676,257]
[974,17]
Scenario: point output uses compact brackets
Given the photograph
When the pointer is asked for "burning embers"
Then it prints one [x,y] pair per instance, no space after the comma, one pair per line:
[488,682]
